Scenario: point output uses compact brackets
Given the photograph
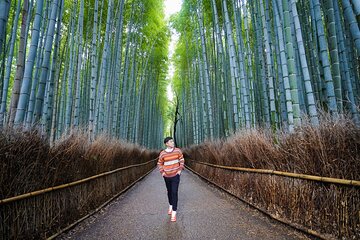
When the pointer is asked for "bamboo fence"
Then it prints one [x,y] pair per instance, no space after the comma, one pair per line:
[40,214]
[286,174]
[327,208]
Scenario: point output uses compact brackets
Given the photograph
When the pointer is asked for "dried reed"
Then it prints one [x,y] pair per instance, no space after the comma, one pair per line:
[29,163]
[329,150]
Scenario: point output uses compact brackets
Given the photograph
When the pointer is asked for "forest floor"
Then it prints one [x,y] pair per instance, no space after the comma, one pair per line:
[204,212]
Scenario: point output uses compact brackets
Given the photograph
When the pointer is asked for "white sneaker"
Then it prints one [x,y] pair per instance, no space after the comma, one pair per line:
[170,210]
[173,216]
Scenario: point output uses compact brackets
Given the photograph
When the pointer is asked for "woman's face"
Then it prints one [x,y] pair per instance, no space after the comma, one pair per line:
[170,143]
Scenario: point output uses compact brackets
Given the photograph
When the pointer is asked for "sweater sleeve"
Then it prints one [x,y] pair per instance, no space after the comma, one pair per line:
[181,160]
[161,163]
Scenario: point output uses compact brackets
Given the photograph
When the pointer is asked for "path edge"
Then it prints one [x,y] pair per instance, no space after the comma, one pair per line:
[72,225]
[309,232]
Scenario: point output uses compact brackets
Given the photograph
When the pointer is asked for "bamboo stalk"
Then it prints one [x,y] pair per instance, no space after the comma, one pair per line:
[287,174]
[39,192]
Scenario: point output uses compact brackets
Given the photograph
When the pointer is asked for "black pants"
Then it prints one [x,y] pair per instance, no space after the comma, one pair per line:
[172,186]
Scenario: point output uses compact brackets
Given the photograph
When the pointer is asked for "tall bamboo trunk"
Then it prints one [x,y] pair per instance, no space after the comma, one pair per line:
[207,79]
[331,99]
[70,75]
[46,62]
[55,69]
[291,63]
[233,67]
[26,82]
[118,57]
[311,105]
[79,64]
[351,20]
[103,72]
[285,73]
[243,76]
[93,74]
[4,15]
[19,74]
[333,49]
[4,94]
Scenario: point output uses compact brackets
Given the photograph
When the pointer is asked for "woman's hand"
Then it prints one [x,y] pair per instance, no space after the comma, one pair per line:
[163,174]
[179,172]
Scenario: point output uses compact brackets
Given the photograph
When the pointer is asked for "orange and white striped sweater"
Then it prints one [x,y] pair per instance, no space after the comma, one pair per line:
[171,162]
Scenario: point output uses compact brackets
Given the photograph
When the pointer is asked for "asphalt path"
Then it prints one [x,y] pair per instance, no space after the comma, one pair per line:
[204,212]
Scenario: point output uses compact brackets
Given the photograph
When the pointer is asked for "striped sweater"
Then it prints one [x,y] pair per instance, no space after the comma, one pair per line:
[171,162]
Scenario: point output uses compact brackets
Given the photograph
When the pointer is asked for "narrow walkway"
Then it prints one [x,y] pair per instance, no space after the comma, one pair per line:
[204,212]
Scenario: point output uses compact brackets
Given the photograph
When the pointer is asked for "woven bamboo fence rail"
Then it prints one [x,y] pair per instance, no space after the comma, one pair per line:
[287,174]
[40,214]
[327,208]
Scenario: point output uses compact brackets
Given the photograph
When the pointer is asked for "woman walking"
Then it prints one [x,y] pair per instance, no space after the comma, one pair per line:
[171,163]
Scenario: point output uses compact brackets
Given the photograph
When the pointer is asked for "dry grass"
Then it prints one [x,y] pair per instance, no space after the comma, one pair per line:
[28,162]
[330,150]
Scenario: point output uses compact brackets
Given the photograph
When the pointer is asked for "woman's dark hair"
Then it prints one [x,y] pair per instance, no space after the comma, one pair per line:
[167,139]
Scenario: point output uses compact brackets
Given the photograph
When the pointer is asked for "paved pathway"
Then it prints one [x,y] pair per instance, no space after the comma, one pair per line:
[204,212]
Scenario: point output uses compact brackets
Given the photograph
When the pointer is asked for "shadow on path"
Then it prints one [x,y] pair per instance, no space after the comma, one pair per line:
[204,212]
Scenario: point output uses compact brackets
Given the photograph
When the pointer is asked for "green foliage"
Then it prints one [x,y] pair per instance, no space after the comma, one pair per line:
[185,49]
[143,26]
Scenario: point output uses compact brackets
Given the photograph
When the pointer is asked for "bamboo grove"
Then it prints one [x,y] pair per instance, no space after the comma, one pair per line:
[268,63]
[98,65]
